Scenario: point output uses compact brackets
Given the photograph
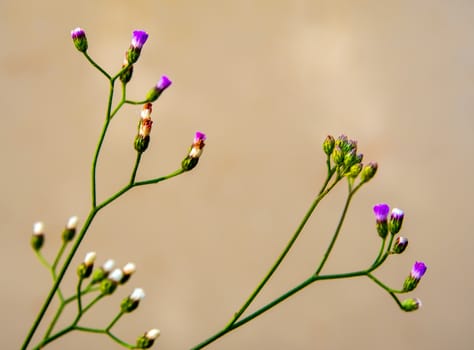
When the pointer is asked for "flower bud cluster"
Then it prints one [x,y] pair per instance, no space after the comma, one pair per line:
[392,224]
[343,153]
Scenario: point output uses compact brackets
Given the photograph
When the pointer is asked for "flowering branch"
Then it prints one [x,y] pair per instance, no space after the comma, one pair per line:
[342,161]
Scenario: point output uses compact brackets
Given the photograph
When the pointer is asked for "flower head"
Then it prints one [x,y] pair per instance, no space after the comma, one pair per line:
[158,89]
[85,268]
[381,214]
[139,38]
[128,271]
[70,230]
[411,304]
[79,39]
[399,245]
[146,341]
[396,219]
[368,172]
[131,302]
[195,151]
[37,239]
[417,271]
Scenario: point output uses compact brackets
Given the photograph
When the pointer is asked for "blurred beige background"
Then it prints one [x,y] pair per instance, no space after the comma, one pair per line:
[267,81]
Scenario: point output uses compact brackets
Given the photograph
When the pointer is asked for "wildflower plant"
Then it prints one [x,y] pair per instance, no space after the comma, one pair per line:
[344,164]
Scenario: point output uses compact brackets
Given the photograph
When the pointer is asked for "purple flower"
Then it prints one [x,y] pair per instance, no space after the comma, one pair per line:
[138,39]
[163,83]
[79,38]
[199,137]
[418,270]
[158,89]
[381,212]
[78,33]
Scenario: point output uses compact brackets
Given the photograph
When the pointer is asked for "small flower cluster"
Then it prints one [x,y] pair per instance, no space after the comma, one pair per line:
[393,224]
[343,152]
[142,140]
[38,237]
[110,278]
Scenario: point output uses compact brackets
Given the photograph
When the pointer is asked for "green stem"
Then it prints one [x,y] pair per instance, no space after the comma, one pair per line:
[338,230]
[59,255]
[135,168]
[54,320]
[54,337]
[273,303]
[98,148]
[322,193]
[99,68]
[79,296]
[135,102]
[56,284]
[42,259]
[114,321]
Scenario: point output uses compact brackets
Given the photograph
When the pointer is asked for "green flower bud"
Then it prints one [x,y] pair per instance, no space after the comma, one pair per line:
[337,155]
[411,304]
[328,145]
[368,172]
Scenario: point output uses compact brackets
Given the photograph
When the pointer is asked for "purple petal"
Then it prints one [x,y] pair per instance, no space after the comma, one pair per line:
[418,269]
[139,38]
[163,83]
[381,211]
[77,33]
[200,136]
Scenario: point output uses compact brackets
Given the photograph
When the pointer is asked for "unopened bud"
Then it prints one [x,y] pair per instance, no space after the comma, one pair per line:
[131,302]
[411,304]
[396,219]
[85,268]
[368,172]
[79,39]
[109,284]
[146,341]
[70,230]
[101,273]
[37,239]
[128,271]
[328,145]
[399,245]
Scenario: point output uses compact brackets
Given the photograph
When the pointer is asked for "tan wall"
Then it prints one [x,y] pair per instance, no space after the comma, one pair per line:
[267,81]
